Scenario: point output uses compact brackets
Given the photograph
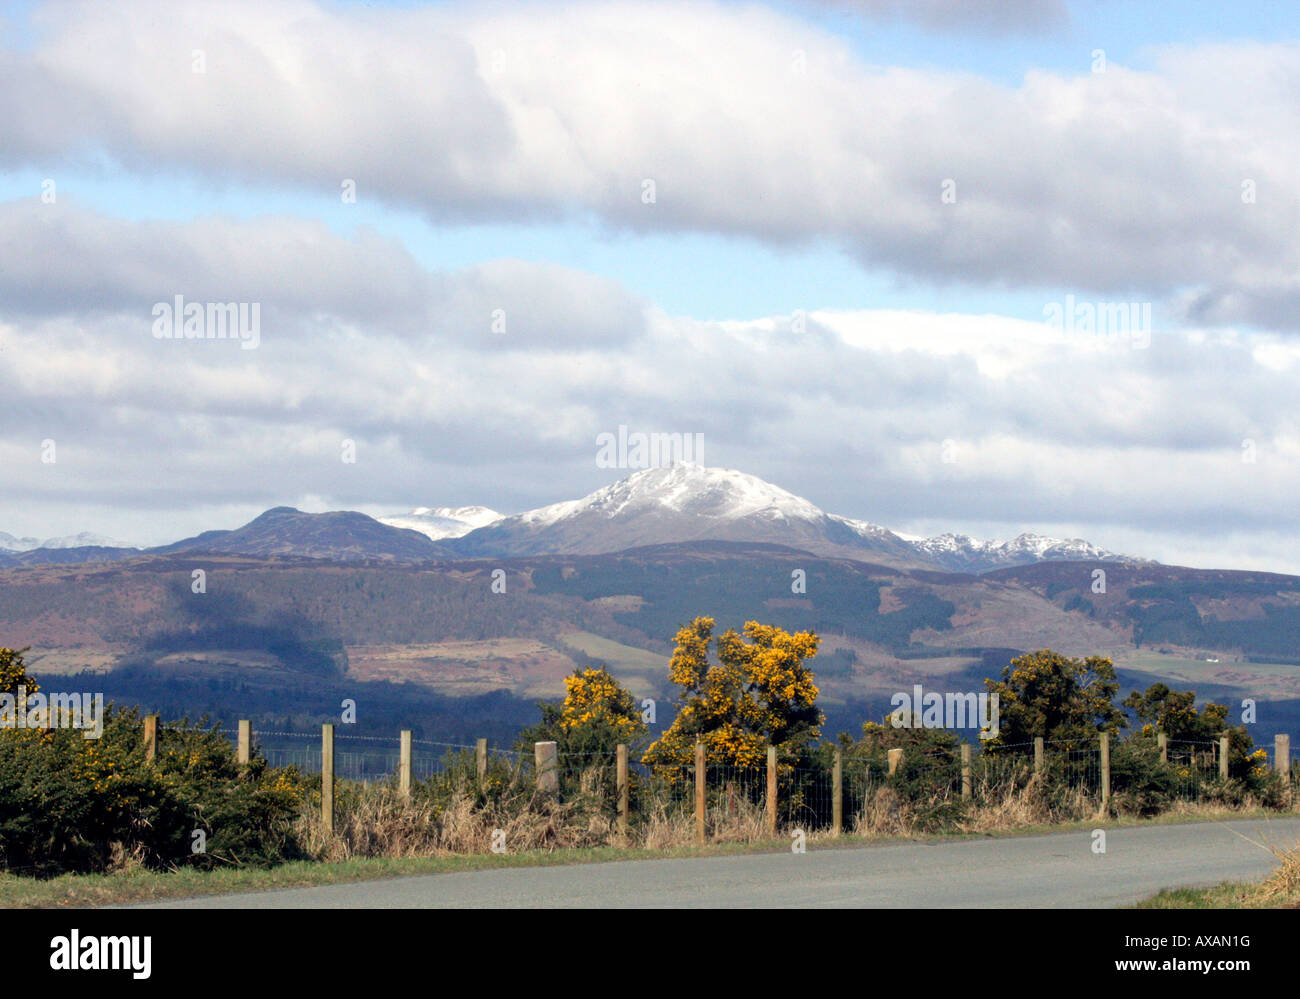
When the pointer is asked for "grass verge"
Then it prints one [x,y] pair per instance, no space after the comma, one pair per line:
[1281,890]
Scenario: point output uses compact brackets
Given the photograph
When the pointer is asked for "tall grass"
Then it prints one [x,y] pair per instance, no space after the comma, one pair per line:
[457,812]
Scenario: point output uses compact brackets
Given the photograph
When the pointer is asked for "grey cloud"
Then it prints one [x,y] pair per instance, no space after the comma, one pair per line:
[60,257]
[992,17]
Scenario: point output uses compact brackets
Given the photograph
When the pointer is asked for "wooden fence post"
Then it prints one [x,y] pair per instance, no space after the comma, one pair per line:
[895,758]
[620,781]
[1223,757]
[546,756]
[837,793]
[771,790]
[701,802]
[404,764]
[1038,754]
[327,777]
[965,770]
[244,748]
[1162,740]
[1282,755]
[480,762]
[1105,772]
[150,738]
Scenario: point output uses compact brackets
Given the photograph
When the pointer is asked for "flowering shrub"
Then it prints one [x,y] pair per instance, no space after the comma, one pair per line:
[596,715]
[760,692]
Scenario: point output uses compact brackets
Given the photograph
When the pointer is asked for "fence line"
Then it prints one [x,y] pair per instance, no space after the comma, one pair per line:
[778,793]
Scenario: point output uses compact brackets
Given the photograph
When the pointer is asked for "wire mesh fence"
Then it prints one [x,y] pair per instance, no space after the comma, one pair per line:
[1193,764]
[933,782]
[356,757]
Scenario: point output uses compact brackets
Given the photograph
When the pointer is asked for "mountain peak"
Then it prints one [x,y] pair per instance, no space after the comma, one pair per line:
[696,491]
[685,502]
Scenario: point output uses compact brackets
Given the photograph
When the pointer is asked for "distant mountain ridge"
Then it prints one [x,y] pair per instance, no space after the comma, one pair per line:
[342,535]
[961,553]
[674,504]
[9,543]
[688,502]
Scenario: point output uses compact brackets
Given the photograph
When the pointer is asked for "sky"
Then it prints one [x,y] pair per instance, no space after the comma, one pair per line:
[984,267]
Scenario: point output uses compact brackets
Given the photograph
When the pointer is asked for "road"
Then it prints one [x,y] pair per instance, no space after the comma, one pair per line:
[1057,870]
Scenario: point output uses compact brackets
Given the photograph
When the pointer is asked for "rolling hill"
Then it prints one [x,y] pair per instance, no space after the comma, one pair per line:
[271,625]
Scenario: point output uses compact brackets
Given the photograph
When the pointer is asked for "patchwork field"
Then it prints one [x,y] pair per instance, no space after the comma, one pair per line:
[521,666]
[1258,680]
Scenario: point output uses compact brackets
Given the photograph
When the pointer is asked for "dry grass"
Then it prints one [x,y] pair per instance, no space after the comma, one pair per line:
[1284,884]
[124,861]
[375,821]
[1008,806]
[884,813]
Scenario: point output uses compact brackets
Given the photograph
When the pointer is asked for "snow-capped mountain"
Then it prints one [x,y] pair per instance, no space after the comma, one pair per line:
[85,539]
[960,553]
[684,502]
[438,522]
[687,502]
[9,543]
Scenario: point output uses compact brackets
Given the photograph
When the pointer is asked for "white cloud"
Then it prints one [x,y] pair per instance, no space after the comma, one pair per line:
[852,412]
[1126,182]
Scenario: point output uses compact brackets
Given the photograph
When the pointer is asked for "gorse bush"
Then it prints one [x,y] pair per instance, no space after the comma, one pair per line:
[596,715]
[72,804]
[759,692]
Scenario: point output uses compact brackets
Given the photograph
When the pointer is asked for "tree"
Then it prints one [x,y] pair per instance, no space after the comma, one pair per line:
[1174,713]
[596,715]
[759,692]
[1047,694]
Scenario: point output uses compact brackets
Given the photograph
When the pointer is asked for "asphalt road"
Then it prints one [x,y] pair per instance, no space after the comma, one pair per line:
[1059,870]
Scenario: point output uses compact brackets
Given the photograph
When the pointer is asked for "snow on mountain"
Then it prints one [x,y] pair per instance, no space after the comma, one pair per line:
[866,529]
[688,502]
[8,543]
[438,522]
[85,539]
[693,490]
[961,553]
[663,505]
[685,502]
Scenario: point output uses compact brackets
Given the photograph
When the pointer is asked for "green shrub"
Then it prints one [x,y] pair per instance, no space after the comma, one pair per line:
[1140,782]
[72,804]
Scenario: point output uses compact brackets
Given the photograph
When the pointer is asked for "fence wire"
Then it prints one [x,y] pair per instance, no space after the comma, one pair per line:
[932,783]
